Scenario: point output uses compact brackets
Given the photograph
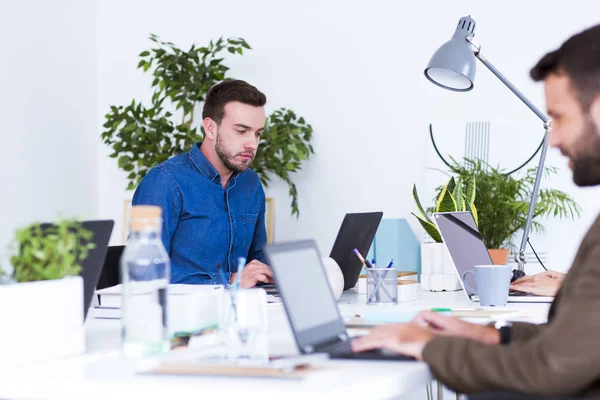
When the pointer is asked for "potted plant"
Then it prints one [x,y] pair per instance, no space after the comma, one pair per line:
[437,269]
[41,295]
[502,202]
[142,136]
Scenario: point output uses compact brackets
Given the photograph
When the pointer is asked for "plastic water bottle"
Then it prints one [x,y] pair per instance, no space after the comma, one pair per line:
[145,269]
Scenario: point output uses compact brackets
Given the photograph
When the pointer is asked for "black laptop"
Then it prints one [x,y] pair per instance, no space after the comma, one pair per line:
[356,232]
[92,265]
[311,308]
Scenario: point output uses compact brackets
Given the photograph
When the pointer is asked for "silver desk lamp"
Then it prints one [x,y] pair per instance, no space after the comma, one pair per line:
[452,67]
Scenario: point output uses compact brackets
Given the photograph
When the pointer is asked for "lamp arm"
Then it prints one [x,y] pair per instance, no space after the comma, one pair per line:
[508,84]
[520,256]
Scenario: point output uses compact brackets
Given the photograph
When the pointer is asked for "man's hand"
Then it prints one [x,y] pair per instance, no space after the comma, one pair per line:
[542,284]
[440,324]
[254,272]
[409,339]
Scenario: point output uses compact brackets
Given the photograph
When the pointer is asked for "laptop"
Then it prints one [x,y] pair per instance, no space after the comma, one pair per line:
[111,275]
[309,303]
[467,249]
[92,265]
[356,232]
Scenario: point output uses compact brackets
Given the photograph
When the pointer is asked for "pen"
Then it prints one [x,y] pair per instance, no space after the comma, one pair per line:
[362,259]
[221,276]
[373,262]
[444,309]
[240,269]
[390,263]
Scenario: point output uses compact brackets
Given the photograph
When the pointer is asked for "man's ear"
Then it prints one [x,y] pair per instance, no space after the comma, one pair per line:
[210,128]
[595,113]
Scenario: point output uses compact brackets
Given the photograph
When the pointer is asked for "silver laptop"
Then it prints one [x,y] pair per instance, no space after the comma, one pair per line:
[467,249]
[311,309]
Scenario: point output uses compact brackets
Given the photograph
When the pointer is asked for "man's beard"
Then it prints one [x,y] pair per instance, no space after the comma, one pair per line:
[586,158]
[227,158]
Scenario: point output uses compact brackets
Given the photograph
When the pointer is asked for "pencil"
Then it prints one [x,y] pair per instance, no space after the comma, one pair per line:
[362,259]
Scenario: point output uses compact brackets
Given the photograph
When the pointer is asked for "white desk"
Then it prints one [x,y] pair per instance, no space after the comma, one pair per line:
[102,373]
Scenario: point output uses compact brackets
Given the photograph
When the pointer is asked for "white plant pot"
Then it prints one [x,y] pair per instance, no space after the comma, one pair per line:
[41,320]
[432,258]
[447,263]
[437,269]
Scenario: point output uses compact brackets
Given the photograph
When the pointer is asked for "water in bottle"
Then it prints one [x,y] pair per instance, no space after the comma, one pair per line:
[145,269]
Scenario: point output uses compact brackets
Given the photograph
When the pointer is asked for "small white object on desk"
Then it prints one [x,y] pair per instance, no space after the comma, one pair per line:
[334,276]
[407,290]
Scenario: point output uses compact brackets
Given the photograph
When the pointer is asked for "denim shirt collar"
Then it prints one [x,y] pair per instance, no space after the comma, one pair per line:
[204,166]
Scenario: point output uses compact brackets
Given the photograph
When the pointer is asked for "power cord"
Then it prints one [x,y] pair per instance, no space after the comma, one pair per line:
[536,255]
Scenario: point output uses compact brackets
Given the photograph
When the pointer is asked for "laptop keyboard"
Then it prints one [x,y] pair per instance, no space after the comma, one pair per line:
[373,355]
[516,293]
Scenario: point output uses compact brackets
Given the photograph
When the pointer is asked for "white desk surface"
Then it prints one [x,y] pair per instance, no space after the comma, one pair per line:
[103,373]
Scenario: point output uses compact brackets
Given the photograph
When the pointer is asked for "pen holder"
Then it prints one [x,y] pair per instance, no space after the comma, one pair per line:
[382,286]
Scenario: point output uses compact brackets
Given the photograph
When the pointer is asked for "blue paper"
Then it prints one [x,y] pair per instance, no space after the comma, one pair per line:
[392,318]
[395,240]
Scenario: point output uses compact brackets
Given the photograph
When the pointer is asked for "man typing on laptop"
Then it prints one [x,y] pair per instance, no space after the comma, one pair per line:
[559,358]
[213,203]
[545,283]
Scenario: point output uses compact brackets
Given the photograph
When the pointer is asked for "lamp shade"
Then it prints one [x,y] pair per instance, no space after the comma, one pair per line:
[452,66]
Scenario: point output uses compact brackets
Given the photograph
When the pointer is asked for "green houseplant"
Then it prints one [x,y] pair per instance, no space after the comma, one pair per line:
[44,289]
[502,201]
[437,268]
[50,252]
[142,136]
[456,195]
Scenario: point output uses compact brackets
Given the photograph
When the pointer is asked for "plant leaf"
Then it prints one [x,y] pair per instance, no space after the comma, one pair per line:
[451,184]
[471,190]
[430,228]
[458,195]
[473,210]
[446,201]
[419,205]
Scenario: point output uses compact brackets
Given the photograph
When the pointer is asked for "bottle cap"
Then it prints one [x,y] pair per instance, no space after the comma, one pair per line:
[145,218]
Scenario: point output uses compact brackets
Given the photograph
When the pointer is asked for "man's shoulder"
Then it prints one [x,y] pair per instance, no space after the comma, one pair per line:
[168,170]
[594,231]
[591,240]
[175,162]
[251,174]
[174,165]
[251,177]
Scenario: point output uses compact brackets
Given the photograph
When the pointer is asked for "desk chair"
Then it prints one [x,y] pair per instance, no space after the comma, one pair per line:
[110,275]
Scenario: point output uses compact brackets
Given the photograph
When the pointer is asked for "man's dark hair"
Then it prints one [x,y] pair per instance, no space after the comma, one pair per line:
[226,92]
[579,59]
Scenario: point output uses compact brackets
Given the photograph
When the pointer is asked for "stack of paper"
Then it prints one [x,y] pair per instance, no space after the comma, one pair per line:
[189,307]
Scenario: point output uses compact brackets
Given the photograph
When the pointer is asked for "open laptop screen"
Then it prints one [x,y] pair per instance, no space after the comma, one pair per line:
[464,242]
[356,232]
[305,291]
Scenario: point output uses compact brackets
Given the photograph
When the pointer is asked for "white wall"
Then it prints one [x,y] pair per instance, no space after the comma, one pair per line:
[354,70]
[48,111]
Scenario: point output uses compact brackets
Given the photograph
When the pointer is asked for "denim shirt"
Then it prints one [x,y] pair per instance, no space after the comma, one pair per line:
[205,224]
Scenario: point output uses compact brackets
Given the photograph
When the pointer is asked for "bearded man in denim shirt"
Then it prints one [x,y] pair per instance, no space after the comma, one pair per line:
[213,203]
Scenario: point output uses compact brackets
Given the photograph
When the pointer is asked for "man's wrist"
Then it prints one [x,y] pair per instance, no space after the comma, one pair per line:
[489,335]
